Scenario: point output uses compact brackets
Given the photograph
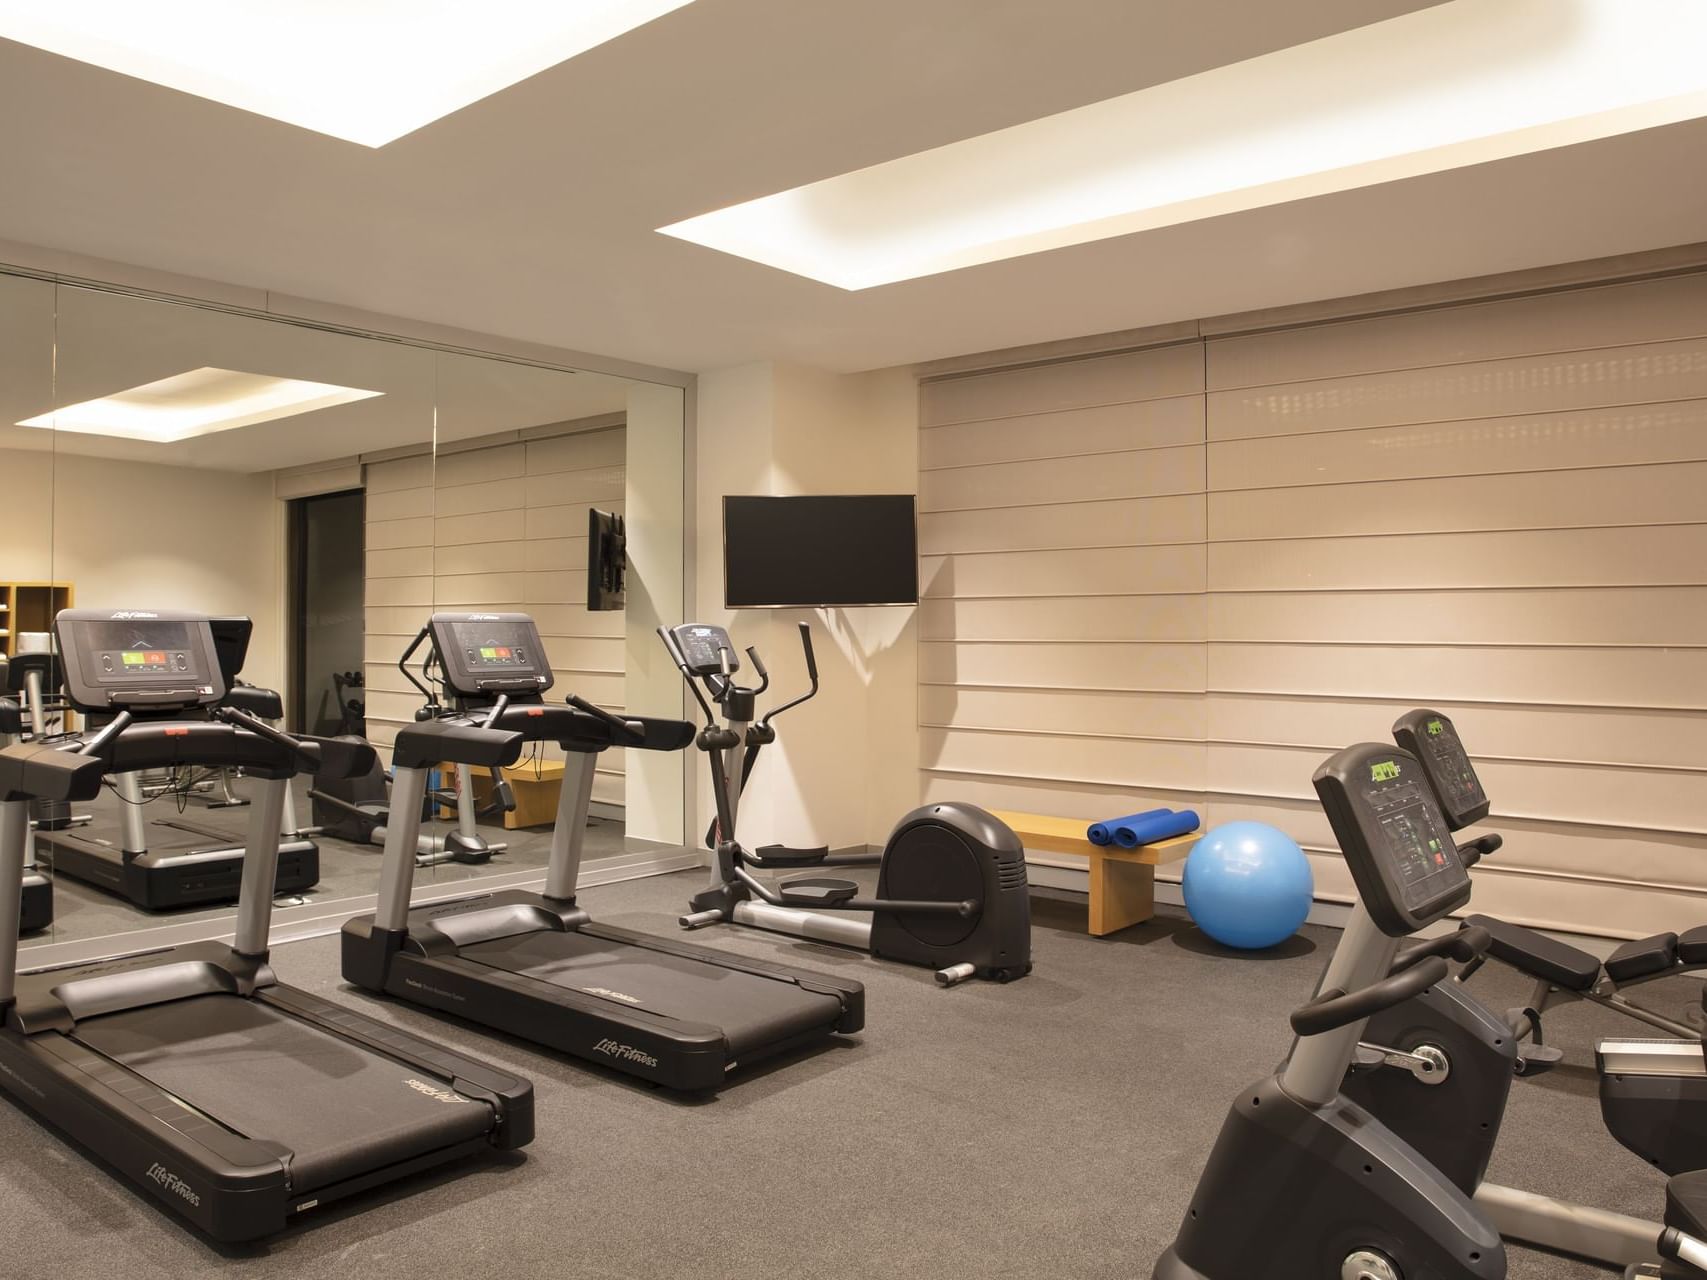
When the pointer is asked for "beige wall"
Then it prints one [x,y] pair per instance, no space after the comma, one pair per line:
[137,535]
[845,766]
[499,528]
[1183,575]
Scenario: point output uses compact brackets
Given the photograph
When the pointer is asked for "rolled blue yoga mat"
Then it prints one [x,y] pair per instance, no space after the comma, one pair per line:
[1147,828]
[1103,832]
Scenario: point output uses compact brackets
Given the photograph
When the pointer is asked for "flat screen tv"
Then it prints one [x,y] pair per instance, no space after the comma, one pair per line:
[820,552]
[607,561]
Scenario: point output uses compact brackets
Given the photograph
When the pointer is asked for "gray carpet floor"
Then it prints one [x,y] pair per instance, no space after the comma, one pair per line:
[1052,1128]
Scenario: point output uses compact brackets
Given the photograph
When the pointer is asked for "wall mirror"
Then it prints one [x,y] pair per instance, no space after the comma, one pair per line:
[323,492]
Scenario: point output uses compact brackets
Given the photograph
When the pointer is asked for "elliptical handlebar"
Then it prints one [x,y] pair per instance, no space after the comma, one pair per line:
[811,670]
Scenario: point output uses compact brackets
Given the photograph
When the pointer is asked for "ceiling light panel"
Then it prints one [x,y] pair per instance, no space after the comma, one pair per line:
[1461,83]
[368,71]
[196,403]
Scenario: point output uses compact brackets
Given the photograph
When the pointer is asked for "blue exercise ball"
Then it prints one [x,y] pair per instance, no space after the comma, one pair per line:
[1248,885]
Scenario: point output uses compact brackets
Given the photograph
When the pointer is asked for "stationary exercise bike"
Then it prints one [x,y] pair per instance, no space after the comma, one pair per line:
[1437,1070]
[951,887]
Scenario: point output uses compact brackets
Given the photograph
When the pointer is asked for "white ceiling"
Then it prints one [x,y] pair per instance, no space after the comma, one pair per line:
[531,215]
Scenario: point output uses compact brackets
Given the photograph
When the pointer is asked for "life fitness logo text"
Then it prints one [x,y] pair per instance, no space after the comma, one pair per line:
[624,1053]
[433,1091]
[135,613]
[172,1182]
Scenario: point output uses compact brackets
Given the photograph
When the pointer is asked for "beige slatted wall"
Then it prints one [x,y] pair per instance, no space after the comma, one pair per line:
[512,535]
[399,561]
[1499,509]
[505,529]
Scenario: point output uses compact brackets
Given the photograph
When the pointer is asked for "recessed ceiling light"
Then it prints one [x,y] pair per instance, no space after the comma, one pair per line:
[196,403]
[368,71]
[1458,84]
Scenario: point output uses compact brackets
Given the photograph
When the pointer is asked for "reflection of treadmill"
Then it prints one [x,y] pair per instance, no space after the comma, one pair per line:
[229,1099]
[35,903]
[535,964]
[176,861]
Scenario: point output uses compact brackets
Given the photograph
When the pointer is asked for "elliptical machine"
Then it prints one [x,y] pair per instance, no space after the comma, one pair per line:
[951,885]
[359,809]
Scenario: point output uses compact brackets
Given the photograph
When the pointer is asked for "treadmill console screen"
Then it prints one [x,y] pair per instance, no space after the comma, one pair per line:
[703,646]
[1394,836]
[1432,739]
[138,659]
[486,653]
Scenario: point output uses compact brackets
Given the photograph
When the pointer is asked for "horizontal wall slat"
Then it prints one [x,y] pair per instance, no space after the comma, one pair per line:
[1667,494]
[1122,522]
[1597,734]
[1641,374]
[1084,618]
[1179,716]
[1050,573]
[1148,424]
[1613,315]
[1140,474]
[1129,763]
[1129,376]
[1575,615]
[1664,678]
[1064,666]
[1654,556]
[1620,436]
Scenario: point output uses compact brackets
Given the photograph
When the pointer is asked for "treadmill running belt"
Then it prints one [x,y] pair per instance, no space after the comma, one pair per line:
[343,1109]
[753,1012]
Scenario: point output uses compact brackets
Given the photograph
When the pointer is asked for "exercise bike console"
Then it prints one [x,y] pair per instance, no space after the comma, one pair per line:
[1395,838]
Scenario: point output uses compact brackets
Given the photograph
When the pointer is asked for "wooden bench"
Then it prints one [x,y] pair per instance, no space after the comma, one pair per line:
[1123,881]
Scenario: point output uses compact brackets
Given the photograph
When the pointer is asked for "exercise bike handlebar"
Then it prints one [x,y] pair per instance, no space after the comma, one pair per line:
[1467,944]
[1334,1008]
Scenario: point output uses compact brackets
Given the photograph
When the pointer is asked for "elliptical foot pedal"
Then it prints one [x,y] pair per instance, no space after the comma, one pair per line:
[816,892]
[780,855]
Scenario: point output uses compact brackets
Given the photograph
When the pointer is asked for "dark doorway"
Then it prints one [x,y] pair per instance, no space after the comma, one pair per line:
[327,625]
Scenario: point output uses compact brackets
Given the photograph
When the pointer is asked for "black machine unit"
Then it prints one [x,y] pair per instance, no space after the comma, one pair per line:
[1303,1183]
[35,890]
[536,964]
[173,861]
[951,883]
[230,1099]
[1437,1069]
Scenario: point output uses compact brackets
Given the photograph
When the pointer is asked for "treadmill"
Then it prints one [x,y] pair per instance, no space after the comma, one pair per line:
[35,890]
[177,861]
[536,965]
[229,1098]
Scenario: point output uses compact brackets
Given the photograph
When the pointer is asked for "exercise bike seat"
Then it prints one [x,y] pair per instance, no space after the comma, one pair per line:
[780,855]
[816,891]
[1642,957]
[1538,955]
[1692,946]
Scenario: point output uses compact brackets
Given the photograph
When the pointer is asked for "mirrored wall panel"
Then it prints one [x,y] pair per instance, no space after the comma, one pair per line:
[321,494]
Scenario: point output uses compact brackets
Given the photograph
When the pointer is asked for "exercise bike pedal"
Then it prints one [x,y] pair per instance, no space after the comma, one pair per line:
[816,891]
[1535,1059]
[780,855]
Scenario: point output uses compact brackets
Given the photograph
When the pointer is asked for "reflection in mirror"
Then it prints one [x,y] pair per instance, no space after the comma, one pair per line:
[29,708]
[200,458]
[525,455]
